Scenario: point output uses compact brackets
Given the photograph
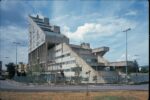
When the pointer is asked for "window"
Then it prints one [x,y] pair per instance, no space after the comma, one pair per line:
[88,60]
[69,62]
[75,69]
[94,60]
[67,70]
[58,50]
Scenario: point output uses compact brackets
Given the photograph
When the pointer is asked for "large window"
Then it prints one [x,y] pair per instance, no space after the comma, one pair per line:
[91,60]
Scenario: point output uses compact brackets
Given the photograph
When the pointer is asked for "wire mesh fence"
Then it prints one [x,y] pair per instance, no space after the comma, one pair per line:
[45,79]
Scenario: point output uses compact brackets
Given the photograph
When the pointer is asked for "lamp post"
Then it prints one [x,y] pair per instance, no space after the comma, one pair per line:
[16,43]
[126,52]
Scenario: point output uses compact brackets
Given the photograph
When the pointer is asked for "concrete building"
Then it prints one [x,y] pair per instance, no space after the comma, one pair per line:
[42,38]
[21,68]
[51,54]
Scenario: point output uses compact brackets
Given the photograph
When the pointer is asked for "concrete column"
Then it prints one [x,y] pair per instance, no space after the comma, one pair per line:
[46,55]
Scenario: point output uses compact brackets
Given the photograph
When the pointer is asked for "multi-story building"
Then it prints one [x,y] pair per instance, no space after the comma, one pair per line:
[42,38]
[51,53]
[21,69]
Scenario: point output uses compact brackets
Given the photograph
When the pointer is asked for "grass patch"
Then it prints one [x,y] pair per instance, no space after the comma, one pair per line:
[114,98]
[103,95]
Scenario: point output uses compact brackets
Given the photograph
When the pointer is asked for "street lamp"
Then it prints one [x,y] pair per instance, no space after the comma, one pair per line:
[126,52]
[16,43]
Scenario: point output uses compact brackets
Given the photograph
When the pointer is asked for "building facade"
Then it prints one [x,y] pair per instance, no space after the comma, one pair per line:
[0,67]
[51,54]
[21,69]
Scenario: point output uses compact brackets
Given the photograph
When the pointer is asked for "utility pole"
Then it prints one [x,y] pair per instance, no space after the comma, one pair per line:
[126,52]
[16,43]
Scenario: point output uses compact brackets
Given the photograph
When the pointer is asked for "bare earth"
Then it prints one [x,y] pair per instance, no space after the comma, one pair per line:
[103,95]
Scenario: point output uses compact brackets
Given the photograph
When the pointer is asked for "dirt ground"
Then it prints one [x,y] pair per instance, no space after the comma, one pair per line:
[111,95]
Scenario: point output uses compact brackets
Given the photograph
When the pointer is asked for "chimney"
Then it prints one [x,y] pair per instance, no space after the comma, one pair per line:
[37,16]
[46,20]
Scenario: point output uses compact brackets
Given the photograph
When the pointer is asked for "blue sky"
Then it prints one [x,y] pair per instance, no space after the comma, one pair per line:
[99,22]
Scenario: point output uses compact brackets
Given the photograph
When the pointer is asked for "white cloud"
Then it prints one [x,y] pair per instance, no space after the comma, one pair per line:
[109,27]
[131,13]
[93,28]
[72,19]
[123,57]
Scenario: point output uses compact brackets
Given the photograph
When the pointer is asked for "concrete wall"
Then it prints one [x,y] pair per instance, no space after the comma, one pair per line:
[108,77]
[102,60]
[22,68]
[39,42]
[36,35]
[83,64]
[121,63]
[78,61]
[139,77]
[38,57]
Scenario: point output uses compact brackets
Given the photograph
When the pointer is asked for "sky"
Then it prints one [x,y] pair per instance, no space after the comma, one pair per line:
[98,22]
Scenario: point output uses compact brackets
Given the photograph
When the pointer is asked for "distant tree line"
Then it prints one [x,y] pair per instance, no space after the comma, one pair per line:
[144,69]
[11,70]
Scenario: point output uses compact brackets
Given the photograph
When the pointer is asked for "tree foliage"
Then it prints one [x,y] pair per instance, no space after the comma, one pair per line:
[11,70]
[145,69]
[134,68]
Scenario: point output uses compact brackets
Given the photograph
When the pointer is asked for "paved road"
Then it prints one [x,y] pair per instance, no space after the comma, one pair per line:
[14,86]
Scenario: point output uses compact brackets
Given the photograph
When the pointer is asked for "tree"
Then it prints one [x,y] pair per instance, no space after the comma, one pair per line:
[18,73]
[144,69]
[11,70]
[62,73]
[134,68]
